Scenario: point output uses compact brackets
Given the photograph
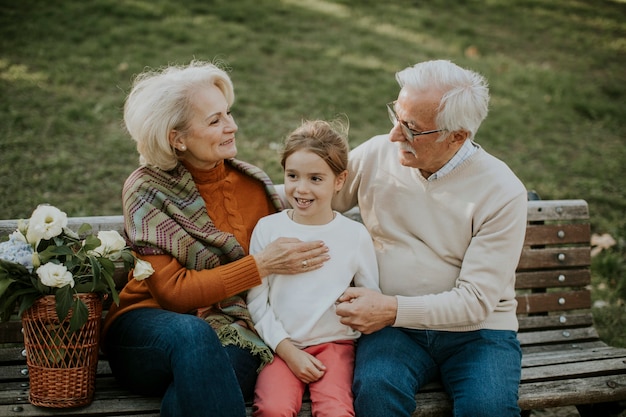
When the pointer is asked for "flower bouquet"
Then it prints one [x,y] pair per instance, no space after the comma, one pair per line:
[56,279]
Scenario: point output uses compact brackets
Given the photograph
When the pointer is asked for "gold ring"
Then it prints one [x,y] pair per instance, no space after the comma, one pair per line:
[305,264]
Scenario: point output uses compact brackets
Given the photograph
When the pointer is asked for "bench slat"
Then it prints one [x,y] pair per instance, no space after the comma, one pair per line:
[553,301]
[97,223]
[557,234]
[557,336]
[571,392]
[538,210]
[574,369]
[565,347]
[557,210]
[559,356]
[538,395]
[144,406]
[554,278]
[554,258]
[560,321]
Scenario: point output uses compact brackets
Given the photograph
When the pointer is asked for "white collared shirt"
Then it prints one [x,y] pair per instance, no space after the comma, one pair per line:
[461,155]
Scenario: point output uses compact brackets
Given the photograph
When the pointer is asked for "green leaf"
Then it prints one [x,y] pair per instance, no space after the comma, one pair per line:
[12,269]
[91,242]
[86,286]
[5,283]
[95,270]
[129,259]
[80,314]
[64,300]
[84,229]
[28,299]
[35,282]
[52,251]
[108,277]
[8,303]
[107,264]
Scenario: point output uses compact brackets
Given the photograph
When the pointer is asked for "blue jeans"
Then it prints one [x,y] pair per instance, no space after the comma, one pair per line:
[480,370]
[179,357]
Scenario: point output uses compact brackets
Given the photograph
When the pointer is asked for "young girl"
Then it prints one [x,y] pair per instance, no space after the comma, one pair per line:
[295,315]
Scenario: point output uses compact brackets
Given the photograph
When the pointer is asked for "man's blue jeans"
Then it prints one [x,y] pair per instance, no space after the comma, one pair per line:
[178,356]
[480,370]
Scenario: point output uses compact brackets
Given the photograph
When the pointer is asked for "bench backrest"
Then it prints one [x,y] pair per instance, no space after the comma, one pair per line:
[553,273]
[554,266]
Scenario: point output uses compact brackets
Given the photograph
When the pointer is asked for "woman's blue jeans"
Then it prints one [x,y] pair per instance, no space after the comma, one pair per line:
[179,357]
[480,370]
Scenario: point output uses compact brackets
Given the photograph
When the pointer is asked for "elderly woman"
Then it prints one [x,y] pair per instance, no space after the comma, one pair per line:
[190,210]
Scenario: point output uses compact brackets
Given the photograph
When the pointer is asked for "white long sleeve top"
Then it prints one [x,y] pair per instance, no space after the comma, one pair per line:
[302,307]
[446,248]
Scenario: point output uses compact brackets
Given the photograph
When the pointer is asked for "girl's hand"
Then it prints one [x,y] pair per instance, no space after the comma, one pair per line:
[305,367]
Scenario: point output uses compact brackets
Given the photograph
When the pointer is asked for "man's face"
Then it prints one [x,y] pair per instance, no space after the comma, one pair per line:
[418,111]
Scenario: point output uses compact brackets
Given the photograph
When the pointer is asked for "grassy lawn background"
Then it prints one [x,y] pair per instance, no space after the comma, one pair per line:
[556,70]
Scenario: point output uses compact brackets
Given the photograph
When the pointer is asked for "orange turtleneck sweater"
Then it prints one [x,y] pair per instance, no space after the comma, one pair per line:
[235,202]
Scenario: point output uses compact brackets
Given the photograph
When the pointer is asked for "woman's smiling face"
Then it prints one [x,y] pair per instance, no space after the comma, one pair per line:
[210,137]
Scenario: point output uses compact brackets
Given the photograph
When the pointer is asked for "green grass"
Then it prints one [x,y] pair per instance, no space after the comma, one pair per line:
[556,70]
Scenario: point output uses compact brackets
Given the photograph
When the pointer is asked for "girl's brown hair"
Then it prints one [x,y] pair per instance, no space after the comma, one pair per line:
[326,140]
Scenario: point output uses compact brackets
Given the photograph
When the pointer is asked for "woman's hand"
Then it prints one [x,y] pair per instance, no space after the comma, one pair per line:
[288,255]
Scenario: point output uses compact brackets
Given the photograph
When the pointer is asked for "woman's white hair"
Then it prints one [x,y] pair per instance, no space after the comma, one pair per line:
[465,100]
[161,101]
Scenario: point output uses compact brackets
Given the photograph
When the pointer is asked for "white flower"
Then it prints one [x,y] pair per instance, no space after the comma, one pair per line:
[110,243]
[143,269]
[46,222]
[55,275]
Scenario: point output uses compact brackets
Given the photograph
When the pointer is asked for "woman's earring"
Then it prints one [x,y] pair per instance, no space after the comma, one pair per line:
[183,148]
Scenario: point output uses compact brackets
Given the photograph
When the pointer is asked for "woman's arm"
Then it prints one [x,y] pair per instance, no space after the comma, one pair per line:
[176,288]
[179,289]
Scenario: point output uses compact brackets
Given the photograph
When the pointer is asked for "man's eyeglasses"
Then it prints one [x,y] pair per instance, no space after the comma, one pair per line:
[408,132]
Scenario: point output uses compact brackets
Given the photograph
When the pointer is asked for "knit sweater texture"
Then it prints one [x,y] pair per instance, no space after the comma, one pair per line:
[176,287]
[447,248]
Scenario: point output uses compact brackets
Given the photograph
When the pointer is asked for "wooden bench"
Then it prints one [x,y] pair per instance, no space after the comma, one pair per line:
[564,363]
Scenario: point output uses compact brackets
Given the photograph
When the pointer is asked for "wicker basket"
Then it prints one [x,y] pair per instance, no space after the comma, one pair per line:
[61,365]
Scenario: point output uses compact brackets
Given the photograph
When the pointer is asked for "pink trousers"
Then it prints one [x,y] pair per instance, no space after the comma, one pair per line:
[279,393]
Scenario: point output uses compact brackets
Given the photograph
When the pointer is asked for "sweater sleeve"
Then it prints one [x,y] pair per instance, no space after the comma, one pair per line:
[179,289]
[487,271]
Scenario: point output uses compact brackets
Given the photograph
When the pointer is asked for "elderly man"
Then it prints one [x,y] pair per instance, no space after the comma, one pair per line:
[448,222]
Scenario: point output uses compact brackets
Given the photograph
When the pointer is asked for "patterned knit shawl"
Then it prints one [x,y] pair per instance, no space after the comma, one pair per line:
[164,213]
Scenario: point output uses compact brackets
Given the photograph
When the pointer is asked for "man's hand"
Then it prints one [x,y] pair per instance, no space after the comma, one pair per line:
[366,310]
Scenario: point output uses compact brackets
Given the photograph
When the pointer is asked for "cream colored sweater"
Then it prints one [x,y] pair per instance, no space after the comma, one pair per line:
[448,248]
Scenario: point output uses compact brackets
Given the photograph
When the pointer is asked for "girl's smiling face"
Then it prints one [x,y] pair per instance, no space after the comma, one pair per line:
[310,185]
